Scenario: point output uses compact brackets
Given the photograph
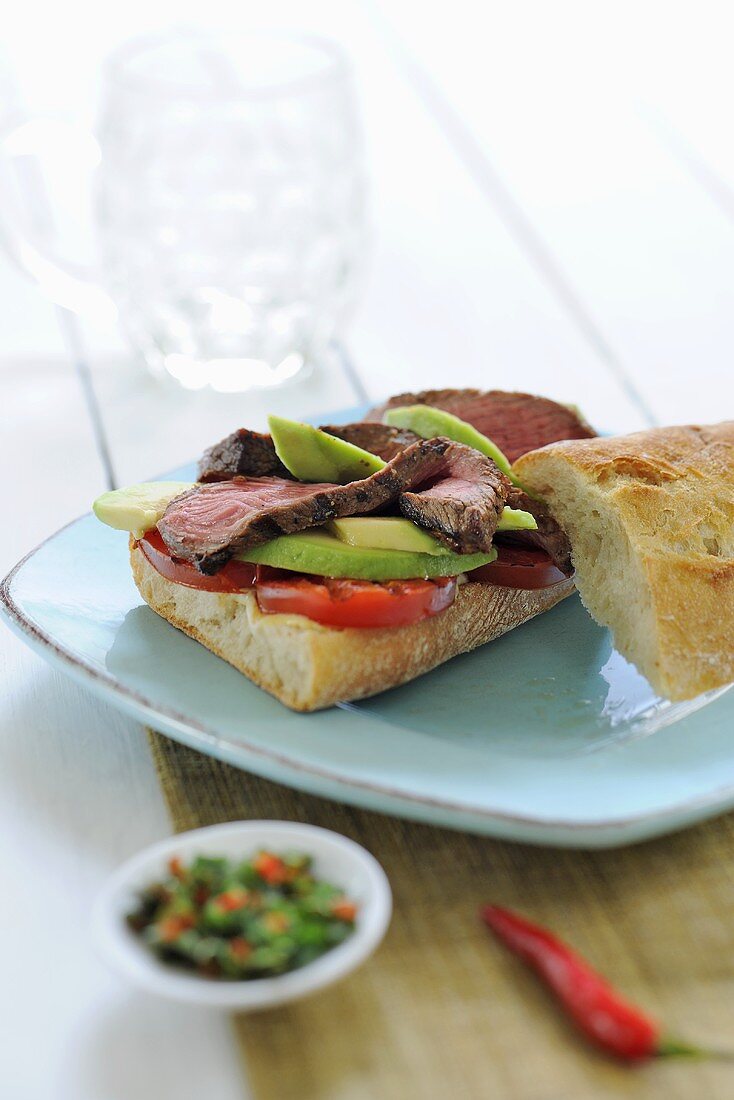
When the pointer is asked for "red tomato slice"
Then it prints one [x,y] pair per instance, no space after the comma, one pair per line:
[519,567]
[235,575]
[334,602]
[342,602]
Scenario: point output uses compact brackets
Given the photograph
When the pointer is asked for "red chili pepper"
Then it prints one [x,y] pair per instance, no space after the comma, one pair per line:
[599,1012]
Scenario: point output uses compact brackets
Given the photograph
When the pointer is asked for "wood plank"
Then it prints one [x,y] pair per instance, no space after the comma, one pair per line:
[685,96]
[78,794]
[648,252]
[29,329]
[449,292]
[46,442]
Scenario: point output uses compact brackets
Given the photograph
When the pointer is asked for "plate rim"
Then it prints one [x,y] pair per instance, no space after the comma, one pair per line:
[191,732]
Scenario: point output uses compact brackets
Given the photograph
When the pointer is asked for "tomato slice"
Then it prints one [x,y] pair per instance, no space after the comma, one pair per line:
[342,602]
[234,577]
[334,602]
[519,567]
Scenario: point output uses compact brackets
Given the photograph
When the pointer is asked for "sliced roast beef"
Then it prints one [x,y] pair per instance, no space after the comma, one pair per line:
[210,523]
[246,453]
[549,536]
[378,439]
[463,503]
[516,422]
[252,454]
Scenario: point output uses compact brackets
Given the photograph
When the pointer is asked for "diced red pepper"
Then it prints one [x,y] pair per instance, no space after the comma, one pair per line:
[343,909]
[176,867]
[270,868]
[170,928]
[240,949]
[276,922]
[232,900]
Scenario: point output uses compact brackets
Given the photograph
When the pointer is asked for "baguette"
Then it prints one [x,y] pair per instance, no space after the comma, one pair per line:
[650,517]
[308,666]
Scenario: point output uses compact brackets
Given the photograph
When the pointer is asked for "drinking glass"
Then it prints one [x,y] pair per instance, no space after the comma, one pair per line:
[229,203]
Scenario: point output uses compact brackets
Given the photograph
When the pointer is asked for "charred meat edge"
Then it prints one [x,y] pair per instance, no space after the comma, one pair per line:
[252,454]
[549,536]
[464,516]
[243,453]
[379,439]
[516,422]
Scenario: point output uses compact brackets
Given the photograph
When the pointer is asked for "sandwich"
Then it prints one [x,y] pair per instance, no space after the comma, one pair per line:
[650,517]
[330,564]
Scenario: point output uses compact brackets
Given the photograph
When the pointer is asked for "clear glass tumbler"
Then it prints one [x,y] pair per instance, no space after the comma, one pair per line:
[230,203]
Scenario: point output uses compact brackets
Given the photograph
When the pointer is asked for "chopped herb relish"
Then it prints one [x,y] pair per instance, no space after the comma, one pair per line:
[252,919]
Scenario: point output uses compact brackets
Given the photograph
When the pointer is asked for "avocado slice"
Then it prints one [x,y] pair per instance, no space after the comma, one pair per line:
[312,455]
[138,507]
[316,551]
[515,519]
[429,422]
[396,533]
[385,533]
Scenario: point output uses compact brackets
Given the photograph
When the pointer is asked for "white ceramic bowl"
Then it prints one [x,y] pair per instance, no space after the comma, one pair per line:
[336,859]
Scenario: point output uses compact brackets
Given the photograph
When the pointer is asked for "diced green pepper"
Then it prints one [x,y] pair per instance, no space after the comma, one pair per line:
[244,920]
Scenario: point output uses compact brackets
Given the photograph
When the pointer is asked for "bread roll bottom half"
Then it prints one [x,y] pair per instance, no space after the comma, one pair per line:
[308,666]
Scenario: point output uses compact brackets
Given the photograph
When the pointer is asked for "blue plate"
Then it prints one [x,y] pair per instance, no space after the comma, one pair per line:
[546,735]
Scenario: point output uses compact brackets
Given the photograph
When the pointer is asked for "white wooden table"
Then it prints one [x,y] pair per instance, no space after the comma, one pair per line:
[554,210]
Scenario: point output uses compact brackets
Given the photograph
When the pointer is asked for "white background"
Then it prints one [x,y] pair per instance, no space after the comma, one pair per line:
[553,209]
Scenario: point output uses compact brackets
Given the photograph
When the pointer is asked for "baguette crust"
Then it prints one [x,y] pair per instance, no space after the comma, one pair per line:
[308,666]
[650,517]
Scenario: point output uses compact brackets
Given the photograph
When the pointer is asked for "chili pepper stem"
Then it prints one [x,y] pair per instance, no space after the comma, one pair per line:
[669,1047]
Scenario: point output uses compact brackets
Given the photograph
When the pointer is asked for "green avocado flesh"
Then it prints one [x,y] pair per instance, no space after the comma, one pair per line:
[384,533]
[429,422]
[138,507]
[374,548]
[514,519]
[318,552]
[312,455]
[396,533]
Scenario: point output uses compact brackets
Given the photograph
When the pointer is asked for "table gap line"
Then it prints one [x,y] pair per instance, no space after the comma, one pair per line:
[350,372]
[520,226]
[44,220]
[687,156]
[71,334]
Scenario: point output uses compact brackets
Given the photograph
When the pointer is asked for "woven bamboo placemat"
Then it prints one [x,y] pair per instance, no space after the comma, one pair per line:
[441,1010]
